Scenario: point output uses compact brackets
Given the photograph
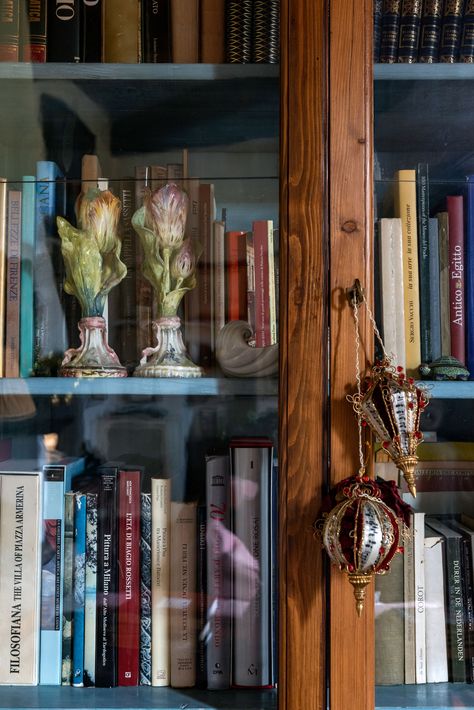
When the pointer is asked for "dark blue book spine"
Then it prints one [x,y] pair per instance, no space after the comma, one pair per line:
[430,32]
[91,30]
[90,590]
[79,589]
[410,19]
[434,293]
[378,5]
[466,51]
[201,609]
[422,189]
[107,578]
[470,276]
[63,23]
[390,28]
[145,589]
[451,31]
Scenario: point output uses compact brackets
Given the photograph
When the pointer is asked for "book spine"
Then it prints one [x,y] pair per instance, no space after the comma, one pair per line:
[156,31]
[389,636]
[145,590]
[443,235]
[68,593]
[191,302]
[451,31]
[408,597]
[468,592]
[201,608]
[265,32]
[63,23]
[391,287]
[79,590]
[12,336]
[160,581]
[251,587]
[455,208]
[212,13]
[218,577]
[405,205]
[436,655]
[20,562]
[456,629]
[205,274]
[430,32]
[470,275]
[250,262]
[219,277]
[434,286]
[91,30]
[33,31]
[378,6]
[26,279]
[129,578]
[410,19]
[466,50]
[423,209]
[236,270]
[272,296]
[106,627]
[238,31]
[9,30]
[185,31]
[52,575]
[121,31]
[390,28]
[265,309]
[90,590]
[183,591]
[50,326]
[3,269]
[419,596]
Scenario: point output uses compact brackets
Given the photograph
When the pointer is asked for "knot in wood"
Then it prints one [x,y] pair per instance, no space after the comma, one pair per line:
[349,226]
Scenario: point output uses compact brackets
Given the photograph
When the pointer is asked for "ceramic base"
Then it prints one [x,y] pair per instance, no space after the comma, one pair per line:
[94,357]
[169,358]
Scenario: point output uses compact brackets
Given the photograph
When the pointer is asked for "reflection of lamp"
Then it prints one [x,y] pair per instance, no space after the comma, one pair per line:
[17,406]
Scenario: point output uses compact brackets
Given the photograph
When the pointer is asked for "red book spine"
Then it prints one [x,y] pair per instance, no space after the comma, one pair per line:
[129,578]
[9,30]
[262,305]
[236,267]
[457,305]
[33,31]
[205,273]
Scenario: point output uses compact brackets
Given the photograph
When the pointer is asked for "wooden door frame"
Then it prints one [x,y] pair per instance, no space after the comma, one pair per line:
[303,351]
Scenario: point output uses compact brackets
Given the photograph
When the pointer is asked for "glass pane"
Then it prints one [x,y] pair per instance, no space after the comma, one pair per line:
[139,384]
[423,168]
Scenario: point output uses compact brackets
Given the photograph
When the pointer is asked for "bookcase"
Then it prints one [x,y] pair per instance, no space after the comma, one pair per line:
[253,131]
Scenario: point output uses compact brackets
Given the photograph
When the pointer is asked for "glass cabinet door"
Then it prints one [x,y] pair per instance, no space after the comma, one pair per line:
[139,476]
[424,291]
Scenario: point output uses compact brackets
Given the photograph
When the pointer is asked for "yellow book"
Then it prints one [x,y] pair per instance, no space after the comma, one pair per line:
[405,208]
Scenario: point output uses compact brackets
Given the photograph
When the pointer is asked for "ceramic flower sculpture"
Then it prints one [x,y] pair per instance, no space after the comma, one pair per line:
[169,264]
[91,254]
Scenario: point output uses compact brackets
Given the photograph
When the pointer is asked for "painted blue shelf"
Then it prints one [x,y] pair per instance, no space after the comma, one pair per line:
[423,72]
[449,390]
[432,696]
[203,386]
[49,698]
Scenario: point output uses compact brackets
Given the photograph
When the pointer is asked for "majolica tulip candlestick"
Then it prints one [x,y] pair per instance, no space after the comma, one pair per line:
[169,264]
[91,254]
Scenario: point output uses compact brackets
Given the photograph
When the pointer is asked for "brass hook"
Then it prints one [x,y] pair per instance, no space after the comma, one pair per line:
[356,293]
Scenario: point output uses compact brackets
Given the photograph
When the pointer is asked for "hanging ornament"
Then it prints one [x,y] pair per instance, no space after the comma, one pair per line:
[361,525]
[362,521]
[390,403]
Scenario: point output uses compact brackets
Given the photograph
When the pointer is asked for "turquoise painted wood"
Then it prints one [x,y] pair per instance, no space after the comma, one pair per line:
[431,696]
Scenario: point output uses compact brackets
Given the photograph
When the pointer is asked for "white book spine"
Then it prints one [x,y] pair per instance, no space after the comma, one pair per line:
[409,603]
[391,265]
[20,565]
[251,569]
[160,582]
[419,596]
[436,646]
[183,594]
[219,276]
[271,285]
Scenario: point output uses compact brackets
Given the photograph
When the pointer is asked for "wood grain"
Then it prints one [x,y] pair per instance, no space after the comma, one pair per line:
[350,120]
[303,354]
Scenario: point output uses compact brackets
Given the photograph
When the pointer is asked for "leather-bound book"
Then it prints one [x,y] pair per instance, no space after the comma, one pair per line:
[410,18]
[121,34]
[63,23]
[430,32]
[185,31]
[238,31]
[211,49]
[9,30]
[266,32]
[156,31]
[390,26]
[451,31]
[33,31]
[466,50]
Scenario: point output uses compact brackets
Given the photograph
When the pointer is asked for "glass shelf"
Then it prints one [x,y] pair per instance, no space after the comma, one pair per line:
[135,698]
[431,696]
[203,386]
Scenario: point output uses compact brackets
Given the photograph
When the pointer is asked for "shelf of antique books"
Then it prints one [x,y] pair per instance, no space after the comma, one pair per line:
[136,699]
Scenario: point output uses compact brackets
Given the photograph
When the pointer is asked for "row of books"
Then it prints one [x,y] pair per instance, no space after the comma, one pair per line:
[425,31]
[129,587]
[38,320]
[426,279]
[132,31]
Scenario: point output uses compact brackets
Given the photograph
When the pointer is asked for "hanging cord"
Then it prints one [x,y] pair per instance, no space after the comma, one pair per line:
[355,306]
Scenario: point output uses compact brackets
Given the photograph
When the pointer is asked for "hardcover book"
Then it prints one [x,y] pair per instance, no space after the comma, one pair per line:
[430,32]
[64,39]
[391,286]
[129,577]
[91,31]
[212,16]
[470,275]
[26,280]
[20,562]
[265,296]
[160,581]
[238,31]
[90,603]
[127,288]
[33,31]
[156,31]
[12,335]
[424,261]
[266,31]
[3,269]
[378,5]
[9,30]
[185,31]
[79,578]
[409,32]
[451,31]
[201,606]
[457,296]
[120,36]
[145,589]
[68,592]
[390,31]
[466,50]
[183,595]
[218,572]
[436,650]
[236,275]
[389,626]
[219,277]
[443,233]
[251,462]
[205,274]
[409,602]
[434,288]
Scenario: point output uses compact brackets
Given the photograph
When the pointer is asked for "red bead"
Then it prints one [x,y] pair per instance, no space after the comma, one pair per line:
[399,368]
[411,381]
[363,422]
[350,568]
[386,444]
[365,479]
[401,377]
[418,434]
[410,405]
[382,550]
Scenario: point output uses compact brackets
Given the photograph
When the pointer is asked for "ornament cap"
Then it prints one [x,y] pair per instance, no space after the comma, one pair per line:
[360,582]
